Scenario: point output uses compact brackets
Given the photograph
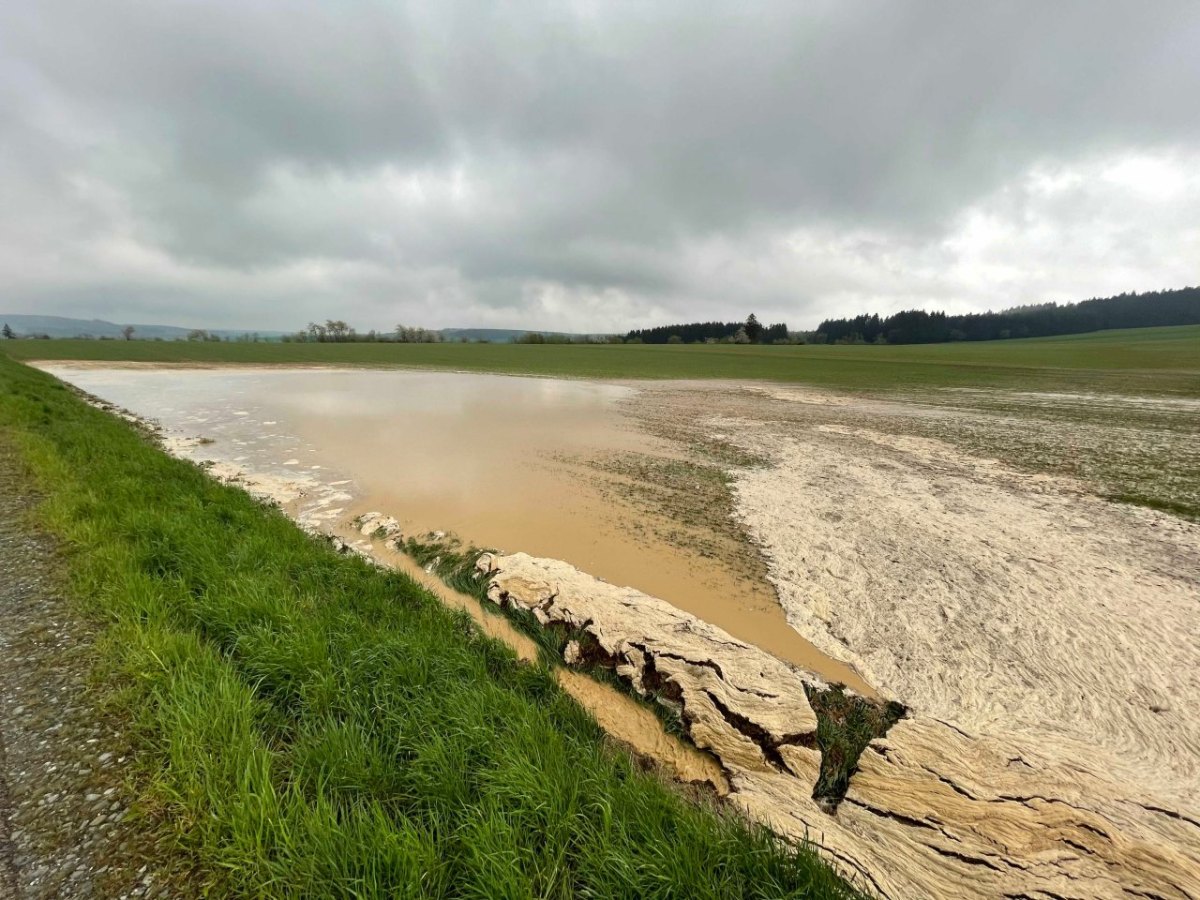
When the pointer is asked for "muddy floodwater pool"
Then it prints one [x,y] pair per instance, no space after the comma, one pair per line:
[498,461]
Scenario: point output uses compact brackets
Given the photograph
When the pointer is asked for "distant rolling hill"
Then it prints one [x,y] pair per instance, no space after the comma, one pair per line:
[503,335]
[63,327]
[495,335]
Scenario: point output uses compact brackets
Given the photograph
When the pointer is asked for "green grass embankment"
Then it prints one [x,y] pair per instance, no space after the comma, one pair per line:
[1133,361]
[308,725]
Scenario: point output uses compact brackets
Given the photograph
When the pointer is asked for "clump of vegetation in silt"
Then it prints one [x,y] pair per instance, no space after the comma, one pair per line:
[846,724]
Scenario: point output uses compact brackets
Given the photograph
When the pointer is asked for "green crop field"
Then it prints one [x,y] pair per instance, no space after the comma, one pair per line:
[309,725]
[1134,361]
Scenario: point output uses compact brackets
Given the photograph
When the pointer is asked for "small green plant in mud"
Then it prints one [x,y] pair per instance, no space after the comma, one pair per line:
[846,724]
[447,558]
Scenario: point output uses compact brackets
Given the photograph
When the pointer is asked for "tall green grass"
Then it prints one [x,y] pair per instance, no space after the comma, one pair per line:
[310,726]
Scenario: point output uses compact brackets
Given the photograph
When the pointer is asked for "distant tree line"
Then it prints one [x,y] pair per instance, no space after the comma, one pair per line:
[748,332]
[554,337]
[1178,307]
[336,331]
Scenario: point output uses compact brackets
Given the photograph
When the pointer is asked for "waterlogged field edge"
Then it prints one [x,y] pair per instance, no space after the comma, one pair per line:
[312,725]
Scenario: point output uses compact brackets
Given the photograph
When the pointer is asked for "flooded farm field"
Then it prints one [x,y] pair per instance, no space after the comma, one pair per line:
[498,461]
[953,551]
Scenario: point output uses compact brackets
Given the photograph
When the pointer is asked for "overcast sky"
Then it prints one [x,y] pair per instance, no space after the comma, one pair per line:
[593,165]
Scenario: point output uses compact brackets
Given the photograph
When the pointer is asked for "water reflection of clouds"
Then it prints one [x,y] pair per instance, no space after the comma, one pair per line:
[370,393]
[427,425]
[430,413]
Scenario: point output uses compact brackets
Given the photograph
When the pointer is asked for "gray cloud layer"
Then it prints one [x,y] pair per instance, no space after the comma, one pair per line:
[590,165]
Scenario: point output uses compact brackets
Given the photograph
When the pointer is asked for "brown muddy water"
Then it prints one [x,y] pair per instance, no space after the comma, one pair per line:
[498,461]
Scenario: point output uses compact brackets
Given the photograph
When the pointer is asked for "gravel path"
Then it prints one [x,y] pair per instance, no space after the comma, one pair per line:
[64,831]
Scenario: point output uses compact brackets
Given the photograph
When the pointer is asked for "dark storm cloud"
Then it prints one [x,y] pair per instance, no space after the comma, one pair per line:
[591,165]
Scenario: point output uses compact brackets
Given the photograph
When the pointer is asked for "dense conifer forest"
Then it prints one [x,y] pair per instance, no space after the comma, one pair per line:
[748,332]
[1178,307]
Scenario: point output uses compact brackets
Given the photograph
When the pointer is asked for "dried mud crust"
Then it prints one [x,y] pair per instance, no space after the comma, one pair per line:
[957,549]
[65,830]
[897,541]
[930,812]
